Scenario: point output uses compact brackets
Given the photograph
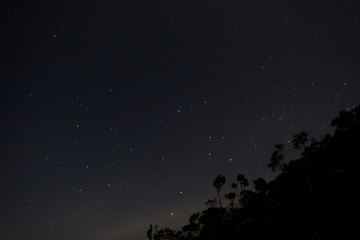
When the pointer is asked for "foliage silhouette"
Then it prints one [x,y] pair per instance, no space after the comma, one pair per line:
[211,203]
[231,196]
[150,232]
[242,181]
[235,187]
[277,160]
[313,197]
[218,183]
[260,185]
[299,140]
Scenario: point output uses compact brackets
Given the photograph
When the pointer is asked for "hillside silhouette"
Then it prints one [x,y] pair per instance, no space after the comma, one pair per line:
[313,197]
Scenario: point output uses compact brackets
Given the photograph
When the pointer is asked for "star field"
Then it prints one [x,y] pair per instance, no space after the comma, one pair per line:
[118,114]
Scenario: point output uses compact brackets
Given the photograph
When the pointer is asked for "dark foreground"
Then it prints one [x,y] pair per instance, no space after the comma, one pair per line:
[313,197]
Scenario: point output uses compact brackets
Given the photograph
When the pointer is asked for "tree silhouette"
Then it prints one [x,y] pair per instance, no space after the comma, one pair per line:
[299,140]
[312,198]
[192,229]
[235,187]
[150,233]
[242,181]
[231,196]
[277,160]
[260,185]
[218,183]
[167,234]
[345,120]
[211,203]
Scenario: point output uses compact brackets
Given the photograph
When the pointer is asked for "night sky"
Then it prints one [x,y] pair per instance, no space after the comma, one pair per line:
[118,114]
